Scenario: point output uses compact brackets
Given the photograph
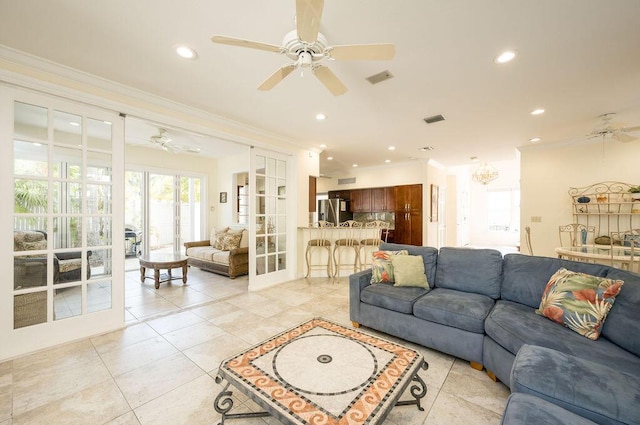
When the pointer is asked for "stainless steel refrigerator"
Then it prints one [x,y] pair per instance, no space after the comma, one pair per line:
[334,211]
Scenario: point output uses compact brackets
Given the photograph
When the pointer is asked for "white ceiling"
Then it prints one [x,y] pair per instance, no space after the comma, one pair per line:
[576,58]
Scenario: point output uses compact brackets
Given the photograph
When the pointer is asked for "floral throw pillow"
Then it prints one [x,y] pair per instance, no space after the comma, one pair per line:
[382,269]
[579,301]
[231,241]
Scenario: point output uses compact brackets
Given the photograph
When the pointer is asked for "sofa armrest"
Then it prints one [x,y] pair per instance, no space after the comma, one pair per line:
[188,245]
[239,251]
[357,282]
[593,390]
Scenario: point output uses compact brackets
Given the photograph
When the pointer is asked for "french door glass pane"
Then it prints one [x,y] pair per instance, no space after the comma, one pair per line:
[189,210]
[98,134]
[30,121]
[161,212]
[30,158]
[98,296]
[67,128]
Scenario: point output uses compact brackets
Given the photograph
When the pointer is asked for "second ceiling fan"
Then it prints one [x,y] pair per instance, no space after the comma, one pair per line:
[307,47]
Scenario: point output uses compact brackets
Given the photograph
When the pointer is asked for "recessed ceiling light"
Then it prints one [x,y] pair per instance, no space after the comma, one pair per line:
[392,148]
[75,124]
[321,117]
[354,165]
[534,139]
[329,158]
[387,161]
[323,146]
[505,57]
[537,111]
[186,52]
[474,158]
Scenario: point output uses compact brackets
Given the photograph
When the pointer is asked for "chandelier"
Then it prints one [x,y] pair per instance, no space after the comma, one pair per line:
[485,174]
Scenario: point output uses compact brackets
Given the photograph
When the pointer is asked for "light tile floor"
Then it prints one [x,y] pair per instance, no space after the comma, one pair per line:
[160,369]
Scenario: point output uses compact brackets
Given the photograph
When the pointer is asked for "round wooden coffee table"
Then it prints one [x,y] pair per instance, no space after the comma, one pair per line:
[163,261]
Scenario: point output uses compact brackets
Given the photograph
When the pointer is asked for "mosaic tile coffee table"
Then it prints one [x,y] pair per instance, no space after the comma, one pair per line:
[322,373]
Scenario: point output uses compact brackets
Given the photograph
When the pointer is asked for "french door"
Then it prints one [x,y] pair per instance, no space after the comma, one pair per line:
[162,210]
[272,258]
[64,165]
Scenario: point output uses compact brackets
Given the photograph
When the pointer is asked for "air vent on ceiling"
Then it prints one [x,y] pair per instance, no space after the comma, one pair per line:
[349,180]
[435,118]
[379,77]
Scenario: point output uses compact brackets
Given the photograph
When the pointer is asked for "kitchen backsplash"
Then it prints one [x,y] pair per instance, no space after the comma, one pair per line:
[372,216]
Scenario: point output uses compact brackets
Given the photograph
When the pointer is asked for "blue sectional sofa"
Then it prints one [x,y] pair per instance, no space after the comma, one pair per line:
[481,308]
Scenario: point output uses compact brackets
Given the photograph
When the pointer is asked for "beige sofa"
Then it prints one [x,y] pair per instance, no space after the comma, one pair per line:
[226,252]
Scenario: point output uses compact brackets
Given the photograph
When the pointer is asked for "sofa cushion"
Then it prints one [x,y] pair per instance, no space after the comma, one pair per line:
[381,266]
[429,256]
[524,277]
[525,409]
[470,270]
[579,301]
[513,325]
[208,253]
[462,310]
[387,296]
[624,318]
[409,271]
[595,390]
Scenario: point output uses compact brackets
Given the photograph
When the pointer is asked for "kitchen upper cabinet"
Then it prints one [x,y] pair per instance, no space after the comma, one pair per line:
[361,200]
[383,199]
[342,194]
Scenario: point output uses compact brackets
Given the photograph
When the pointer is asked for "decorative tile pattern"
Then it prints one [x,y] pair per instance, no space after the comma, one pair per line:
[322,372]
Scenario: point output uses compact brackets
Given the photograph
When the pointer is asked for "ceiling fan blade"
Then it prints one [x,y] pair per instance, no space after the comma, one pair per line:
[621,137]
[362,52]
[631,129]
[330,81]
[222,39]
[276,77]
[308,15]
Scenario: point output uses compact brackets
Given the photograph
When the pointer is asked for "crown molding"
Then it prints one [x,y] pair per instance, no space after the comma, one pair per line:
[31,72]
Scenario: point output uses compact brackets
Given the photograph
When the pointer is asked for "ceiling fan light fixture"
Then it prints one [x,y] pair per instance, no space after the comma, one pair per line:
[485,174]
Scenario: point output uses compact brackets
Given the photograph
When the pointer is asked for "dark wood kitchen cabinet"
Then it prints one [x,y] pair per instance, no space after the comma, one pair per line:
[361,200]
[408,213]
[383,199]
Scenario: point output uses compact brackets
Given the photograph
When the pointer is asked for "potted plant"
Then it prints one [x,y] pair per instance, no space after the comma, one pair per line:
[635,193]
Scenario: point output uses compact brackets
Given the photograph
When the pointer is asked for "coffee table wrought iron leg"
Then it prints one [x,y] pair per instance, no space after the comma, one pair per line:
[224,403]
[418,390]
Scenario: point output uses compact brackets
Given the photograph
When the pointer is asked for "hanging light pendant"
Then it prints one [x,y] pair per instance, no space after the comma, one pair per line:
[485,174]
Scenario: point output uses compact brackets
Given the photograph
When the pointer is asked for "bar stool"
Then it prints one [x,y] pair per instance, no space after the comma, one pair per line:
[319,238]
[349,239]
[374,232]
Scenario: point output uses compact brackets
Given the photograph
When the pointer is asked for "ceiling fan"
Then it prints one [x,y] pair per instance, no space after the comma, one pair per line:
[607,129]
[308,48]
[164,141]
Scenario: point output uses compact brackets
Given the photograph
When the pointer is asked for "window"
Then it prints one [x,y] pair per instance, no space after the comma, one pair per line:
[504,210]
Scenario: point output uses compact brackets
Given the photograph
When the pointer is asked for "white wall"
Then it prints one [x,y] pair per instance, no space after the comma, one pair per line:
[223,214]
[382,176]
[547,173]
